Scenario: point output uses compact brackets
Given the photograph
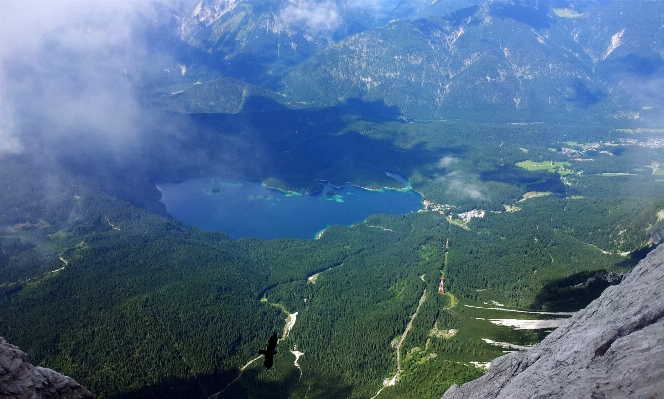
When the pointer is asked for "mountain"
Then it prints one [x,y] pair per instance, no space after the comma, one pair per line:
[222,96]
[496,58]
[529,129]
[614,348]
[257,40]
[20,379]
[416,9]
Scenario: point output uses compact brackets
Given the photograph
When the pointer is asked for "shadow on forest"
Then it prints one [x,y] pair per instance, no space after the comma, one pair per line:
[529,180]
[572,293]
[349,142]
[636,256]
[252,384]
[342,143]
[585,96]
[536,18]
[172,387]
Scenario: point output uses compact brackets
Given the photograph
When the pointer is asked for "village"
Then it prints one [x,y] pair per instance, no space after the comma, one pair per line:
[462,218]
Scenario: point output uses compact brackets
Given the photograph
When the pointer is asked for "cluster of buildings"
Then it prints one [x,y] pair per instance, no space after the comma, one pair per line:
[433,207]
[577,153]
[444,209]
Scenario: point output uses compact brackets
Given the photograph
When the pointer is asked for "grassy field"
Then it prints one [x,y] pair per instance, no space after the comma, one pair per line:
[534,194]
[479,324]
[550,166]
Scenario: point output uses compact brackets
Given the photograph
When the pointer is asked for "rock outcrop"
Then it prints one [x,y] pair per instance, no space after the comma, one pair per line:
[20,379]
[614,348]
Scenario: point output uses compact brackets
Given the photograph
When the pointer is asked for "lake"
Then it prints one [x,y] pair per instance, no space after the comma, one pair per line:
[246,208]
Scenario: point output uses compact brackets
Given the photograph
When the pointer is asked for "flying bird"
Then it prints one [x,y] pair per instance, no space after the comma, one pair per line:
[270,351]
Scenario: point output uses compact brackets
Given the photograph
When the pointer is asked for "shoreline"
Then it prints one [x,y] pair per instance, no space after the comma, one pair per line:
[390,173]
[414,201]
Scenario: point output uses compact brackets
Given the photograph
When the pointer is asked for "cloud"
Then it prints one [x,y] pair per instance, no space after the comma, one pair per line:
[376,7]
[9,140]
[650,91]
[462,185]
[69,80]
[319,18]
[447,161]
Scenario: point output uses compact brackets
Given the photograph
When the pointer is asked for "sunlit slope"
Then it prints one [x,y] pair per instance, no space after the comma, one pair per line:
[491,61]
[258,40]
[501,62]
[222,95]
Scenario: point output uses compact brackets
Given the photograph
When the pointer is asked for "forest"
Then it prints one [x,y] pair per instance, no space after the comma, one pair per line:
[132,303]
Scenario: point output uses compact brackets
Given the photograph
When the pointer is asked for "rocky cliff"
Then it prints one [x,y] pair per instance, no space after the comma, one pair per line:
[20,379]
[614,348]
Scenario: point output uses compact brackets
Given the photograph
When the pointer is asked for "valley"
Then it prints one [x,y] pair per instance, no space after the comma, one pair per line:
[369,272]
[180,181]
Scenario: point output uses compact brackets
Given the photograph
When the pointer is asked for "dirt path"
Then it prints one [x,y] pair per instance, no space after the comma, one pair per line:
[297,355]
[405,333]
[392,381]
[312,279]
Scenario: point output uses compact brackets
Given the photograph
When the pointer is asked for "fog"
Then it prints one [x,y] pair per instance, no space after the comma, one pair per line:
[459,184]
[67,79]
[76,89]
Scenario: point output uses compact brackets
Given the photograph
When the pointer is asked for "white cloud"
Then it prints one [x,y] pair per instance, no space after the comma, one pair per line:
[648,91]
[65,74]
[447,161]
[318,18]
[462,185]
[9,141]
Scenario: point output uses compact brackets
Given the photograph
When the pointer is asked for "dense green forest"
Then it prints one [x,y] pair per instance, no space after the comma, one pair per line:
[132,303]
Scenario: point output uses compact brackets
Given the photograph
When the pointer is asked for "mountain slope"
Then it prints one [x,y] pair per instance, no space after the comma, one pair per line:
[259,39]
[612,349]
[515,60]
[20,379]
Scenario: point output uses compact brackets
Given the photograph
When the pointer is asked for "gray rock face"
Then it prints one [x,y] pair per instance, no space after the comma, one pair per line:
[20,379]
[614,348]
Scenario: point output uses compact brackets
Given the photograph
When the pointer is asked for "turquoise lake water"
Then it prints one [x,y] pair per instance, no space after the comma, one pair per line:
[246,208]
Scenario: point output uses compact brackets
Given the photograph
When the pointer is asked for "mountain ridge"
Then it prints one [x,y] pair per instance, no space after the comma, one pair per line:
[500,58]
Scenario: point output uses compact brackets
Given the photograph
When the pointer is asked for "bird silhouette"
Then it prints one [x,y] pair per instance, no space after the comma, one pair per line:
[270,351]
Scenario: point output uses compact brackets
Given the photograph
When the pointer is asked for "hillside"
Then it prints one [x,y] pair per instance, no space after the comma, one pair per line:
[131,304]
[257,41]
[611,349]
[496,60]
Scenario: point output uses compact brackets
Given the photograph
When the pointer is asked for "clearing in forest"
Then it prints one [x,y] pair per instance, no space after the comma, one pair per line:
[550,166]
